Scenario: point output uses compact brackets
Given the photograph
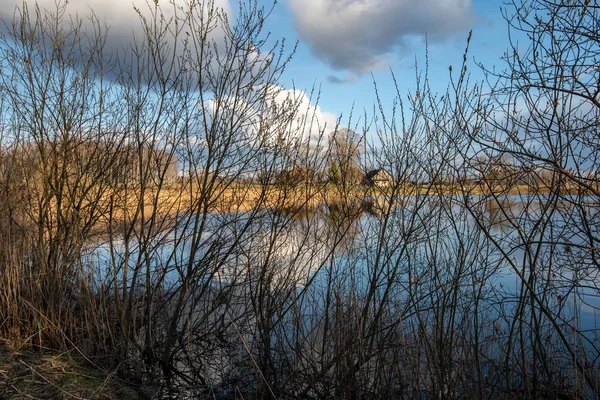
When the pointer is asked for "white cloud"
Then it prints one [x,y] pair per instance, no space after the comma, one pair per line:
[284,115]
[358,35]
[311,122]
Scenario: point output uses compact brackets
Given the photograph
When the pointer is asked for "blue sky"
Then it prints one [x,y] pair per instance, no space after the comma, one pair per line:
[309,68]
[344,44]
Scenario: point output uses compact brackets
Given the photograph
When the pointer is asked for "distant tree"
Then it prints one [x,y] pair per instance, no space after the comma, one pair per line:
[335,175]
[497,171]
[345,151]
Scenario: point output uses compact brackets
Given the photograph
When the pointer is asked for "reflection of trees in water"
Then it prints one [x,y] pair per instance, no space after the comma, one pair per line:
[291,246]
[500,212]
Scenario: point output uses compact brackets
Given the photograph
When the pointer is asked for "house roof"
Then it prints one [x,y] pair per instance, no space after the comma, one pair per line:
[373,174]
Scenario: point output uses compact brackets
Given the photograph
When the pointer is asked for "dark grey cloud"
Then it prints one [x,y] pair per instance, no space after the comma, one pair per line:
[120,15]
[120,22]
[358,35]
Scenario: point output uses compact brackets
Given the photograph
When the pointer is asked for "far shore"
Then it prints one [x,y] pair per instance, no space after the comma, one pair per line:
[170,200]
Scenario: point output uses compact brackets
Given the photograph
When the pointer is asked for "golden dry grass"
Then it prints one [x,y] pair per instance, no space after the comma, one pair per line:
[125,206]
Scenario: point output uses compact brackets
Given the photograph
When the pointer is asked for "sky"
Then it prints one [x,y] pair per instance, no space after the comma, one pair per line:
[345,45]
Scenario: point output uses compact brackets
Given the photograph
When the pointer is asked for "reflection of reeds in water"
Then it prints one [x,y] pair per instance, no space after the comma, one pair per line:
[500,212]
[334,211]
[379,206]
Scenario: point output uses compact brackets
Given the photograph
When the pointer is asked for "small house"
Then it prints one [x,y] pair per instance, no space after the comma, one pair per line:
[379,178]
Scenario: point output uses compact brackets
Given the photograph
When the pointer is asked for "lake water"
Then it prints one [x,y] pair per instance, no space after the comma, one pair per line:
[301,246]
[425,258]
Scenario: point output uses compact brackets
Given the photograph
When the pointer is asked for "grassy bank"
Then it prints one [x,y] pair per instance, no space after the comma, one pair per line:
[44,374]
